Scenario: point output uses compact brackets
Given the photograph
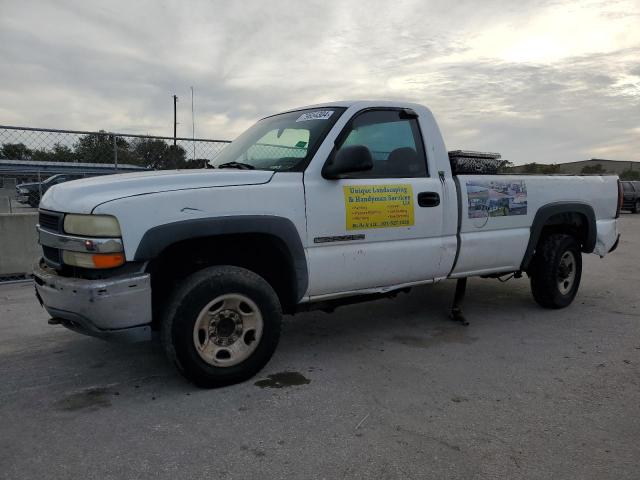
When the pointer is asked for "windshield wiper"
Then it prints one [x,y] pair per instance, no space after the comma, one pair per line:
[239,165]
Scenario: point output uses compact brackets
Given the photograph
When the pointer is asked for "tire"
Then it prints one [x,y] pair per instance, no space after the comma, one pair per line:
[636,207]
[207,325]
[556,271]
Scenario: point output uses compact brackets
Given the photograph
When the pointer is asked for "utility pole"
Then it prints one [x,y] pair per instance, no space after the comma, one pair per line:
[175,119]
[115,151]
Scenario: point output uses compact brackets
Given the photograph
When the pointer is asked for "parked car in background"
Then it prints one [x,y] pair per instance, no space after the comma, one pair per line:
[30,193]
[631,200]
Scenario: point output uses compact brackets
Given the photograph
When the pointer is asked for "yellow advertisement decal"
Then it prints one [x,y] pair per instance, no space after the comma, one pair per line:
[378,206]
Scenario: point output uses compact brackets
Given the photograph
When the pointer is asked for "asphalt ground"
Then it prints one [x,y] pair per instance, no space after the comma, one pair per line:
[388,389]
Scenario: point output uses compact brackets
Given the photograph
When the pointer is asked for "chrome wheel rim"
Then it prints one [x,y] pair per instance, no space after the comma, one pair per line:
[228,330]
[566,272]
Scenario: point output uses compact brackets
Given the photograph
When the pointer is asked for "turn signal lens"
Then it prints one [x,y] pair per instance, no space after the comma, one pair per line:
[89,260]
[109,260]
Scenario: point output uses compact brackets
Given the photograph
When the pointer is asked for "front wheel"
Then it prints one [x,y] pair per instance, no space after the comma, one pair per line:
[636,207]
[221,326]
[556,271]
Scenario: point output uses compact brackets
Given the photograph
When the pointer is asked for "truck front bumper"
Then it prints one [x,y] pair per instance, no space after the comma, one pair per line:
[117,308]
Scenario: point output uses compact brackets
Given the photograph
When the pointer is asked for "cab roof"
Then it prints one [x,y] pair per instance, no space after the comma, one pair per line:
[360,104]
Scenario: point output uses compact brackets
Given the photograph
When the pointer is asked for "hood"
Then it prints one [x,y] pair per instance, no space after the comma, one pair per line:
[82,196]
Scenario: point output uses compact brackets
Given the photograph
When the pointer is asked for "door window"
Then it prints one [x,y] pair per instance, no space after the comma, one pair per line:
[395,144]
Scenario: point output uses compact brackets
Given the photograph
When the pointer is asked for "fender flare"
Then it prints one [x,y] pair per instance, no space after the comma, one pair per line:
[156,239]
[543,215]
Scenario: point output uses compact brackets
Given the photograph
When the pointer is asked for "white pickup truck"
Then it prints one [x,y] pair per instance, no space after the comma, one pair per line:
[311,208]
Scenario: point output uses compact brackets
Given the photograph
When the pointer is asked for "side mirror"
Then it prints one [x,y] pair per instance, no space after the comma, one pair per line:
[355,158]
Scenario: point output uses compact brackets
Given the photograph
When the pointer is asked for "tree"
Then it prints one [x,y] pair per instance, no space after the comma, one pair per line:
[98,148]
[593,169]
[16,151]
[59,153]
[149,151]
[530,168]
[630,175]
[549,169]
[541,168]
[157,154]
[505,166]
[176,158]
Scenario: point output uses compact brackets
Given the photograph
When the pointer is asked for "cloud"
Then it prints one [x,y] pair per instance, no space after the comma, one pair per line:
[543,81]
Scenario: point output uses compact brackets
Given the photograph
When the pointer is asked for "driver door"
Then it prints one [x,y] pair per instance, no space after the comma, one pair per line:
[377,228]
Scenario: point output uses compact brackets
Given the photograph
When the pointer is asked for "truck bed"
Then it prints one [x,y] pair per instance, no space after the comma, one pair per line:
[498,212]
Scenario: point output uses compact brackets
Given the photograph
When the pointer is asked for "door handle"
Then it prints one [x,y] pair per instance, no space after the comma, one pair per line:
[428,199]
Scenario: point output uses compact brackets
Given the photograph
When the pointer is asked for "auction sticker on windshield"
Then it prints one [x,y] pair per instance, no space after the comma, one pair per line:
[378,206]
[316,115]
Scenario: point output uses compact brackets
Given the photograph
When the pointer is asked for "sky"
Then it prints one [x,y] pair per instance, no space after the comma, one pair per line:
[537,81]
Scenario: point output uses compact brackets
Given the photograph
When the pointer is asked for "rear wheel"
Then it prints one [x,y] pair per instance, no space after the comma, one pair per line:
[556,271]
[636,207]
[221,326]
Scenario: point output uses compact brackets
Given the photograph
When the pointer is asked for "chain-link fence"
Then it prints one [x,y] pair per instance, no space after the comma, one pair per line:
[32,160]
[119,149]
[46,157]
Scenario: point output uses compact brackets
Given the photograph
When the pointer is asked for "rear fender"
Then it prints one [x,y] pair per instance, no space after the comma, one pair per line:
[547,212]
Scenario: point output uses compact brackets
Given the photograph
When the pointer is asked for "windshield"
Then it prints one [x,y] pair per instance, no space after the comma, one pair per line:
[52,179]
[281,142]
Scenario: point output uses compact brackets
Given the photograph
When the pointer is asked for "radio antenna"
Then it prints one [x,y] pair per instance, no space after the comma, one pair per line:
[193,127]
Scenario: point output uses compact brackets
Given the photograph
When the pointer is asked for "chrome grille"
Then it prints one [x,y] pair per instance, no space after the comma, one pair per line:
[53,222]
[50,221]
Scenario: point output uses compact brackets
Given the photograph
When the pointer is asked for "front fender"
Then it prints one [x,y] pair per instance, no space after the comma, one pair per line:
[156,239]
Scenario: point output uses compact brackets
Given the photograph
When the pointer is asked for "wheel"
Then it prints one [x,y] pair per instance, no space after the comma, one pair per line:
[636,207]
[221,326]
[556,271]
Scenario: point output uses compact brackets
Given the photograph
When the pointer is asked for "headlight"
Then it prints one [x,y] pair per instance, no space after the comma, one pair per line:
[23,191]
[92,225]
